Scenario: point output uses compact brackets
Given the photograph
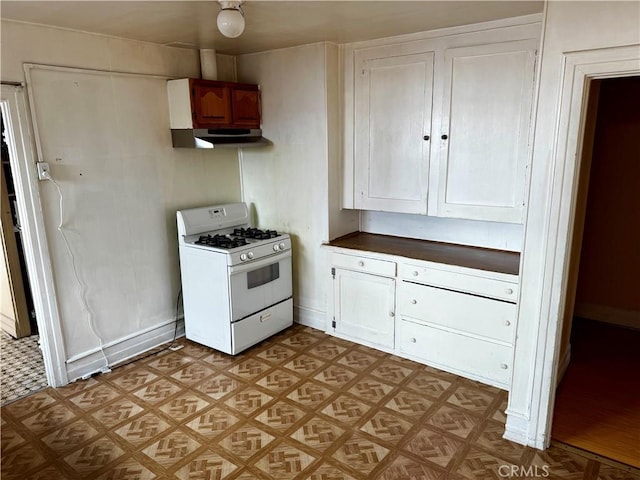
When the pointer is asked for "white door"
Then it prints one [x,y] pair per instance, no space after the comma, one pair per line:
[364,307]
[484,142]
[393,99]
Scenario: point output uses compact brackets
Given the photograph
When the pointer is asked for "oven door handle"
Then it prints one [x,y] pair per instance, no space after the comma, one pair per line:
[247,267]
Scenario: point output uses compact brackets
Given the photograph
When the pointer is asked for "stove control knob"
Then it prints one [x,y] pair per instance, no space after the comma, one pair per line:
[282,246]
[250,255]
[243,256]
[276,247]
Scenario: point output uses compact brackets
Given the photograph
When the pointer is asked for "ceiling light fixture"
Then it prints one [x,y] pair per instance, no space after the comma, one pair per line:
[231,18]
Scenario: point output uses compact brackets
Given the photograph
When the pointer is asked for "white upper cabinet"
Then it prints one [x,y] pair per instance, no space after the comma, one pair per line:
[440,125]
[488,91]
[393,97]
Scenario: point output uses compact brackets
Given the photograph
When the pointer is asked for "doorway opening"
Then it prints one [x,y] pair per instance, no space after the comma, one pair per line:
[597,407]
[21,363]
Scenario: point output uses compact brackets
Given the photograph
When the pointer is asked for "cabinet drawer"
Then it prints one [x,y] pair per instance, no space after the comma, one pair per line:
[460,311]
[477,285]
[458,353]
[364,264]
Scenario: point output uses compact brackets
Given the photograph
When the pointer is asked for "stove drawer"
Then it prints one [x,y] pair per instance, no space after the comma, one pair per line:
[262,325]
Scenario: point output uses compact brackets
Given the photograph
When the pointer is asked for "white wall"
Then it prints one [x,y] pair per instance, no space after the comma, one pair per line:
[287,184]
[108,142]
[569,27]
[502,236]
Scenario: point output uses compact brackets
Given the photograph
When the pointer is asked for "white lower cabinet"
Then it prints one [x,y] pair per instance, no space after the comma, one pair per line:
[456,319]
[363,303]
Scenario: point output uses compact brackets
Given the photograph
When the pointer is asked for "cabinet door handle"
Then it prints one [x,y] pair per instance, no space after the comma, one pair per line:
[504,366]
[444,137]
[392,314]
[414,301]
[415,273]
[426,138]
[507,323]
[413,340]
[508,291]
[361,263]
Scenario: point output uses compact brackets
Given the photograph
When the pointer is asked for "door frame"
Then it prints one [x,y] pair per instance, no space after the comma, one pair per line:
[540,362]
[23,166]
[18,322]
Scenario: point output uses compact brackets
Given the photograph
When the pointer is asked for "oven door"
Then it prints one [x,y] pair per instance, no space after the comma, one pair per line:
[260,284]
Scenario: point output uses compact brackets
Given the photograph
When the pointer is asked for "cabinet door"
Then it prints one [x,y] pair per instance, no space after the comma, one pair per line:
[364,307]
[393,99]
[211,106]
[484,151]
[245,104]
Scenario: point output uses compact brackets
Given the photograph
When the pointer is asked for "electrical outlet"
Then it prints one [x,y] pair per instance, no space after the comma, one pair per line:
[43,171]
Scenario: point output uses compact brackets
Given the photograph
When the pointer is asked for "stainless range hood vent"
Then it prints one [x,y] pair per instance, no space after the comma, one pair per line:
[218,138]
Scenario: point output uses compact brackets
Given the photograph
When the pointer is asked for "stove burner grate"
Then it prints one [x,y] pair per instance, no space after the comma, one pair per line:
[255,233]
[221,241]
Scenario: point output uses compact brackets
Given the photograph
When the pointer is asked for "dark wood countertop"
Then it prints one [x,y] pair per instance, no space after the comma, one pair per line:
[487,259]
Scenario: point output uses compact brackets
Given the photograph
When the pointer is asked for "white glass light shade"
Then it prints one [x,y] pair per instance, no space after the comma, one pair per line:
[231,22]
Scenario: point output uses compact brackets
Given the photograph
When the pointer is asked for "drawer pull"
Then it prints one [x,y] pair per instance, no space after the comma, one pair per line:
[504,366]
[509,291]
[415,273]
[414,301]
[361,263]
[412,340]
[507,323]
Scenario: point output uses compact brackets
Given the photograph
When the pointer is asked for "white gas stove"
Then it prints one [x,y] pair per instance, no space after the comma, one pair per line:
[236,280]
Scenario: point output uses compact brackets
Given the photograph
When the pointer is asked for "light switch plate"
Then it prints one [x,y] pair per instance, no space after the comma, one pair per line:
[43,171]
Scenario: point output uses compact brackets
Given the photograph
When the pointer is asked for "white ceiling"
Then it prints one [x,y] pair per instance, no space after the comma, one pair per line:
[269,24]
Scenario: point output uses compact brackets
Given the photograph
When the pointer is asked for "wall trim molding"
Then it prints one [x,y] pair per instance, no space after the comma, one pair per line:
[22,157]
[517,430]
[548,242]
[123,349]
[606,314]
[310,317]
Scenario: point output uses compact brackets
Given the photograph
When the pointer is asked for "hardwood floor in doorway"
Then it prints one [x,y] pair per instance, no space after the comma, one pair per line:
[598,401]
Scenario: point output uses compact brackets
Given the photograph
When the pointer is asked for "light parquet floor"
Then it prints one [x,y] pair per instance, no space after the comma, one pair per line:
[302,405]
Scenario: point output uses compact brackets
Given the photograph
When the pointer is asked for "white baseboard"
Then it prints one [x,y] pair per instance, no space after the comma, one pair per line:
[564,364]
[118,351]
[518,424]
[603,313]
[310,317]
[517,430]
